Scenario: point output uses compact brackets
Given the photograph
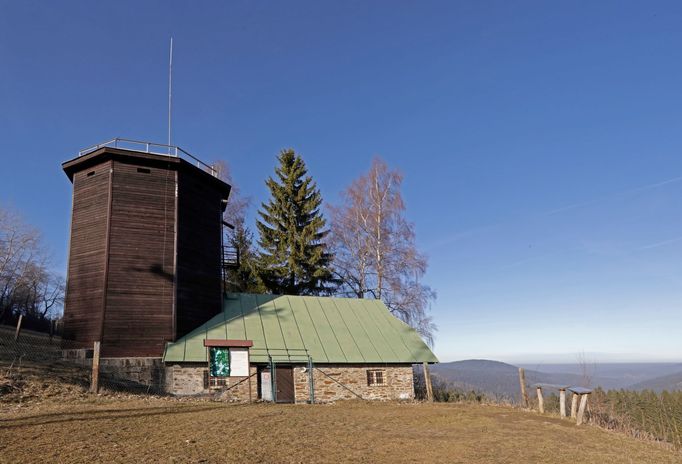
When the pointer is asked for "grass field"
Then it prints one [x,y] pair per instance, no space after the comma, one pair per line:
[166,430]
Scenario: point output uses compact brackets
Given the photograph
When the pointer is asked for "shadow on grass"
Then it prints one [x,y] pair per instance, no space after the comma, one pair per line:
[101,414]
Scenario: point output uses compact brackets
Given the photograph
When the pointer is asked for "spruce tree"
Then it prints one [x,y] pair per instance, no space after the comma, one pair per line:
[245,278]
[294,258]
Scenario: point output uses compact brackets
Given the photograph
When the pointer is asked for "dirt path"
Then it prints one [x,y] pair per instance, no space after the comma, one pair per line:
[161,430]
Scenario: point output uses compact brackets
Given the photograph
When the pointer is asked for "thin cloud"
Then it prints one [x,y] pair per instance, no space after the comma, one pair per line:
[660,244]
[475,230]
[615,194]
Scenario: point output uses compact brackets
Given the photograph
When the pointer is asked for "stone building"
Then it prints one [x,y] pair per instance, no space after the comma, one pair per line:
[297,349]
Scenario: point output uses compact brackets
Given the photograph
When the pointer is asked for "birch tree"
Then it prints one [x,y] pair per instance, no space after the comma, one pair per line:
[375,251]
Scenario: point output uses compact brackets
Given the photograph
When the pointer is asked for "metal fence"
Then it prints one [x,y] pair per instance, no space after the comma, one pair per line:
[152,148]
[32,366]
[35,365]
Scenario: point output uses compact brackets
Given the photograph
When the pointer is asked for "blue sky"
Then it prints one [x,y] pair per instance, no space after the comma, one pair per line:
[541,142]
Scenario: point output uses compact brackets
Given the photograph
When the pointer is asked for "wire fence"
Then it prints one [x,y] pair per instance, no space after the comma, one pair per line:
[35,365]
[32,366]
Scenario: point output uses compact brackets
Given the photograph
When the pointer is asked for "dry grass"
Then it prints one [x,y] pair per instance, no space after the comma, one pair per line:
[46,415]
[166,430]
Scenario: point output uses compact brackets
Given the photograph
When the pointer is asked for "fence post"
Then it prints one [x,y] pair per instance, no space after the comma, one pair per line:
[522,382]
[562,402]
[250,392]
[311,380]
[541,401]
[94,383]
[427,382]
[273,381]
[16,334]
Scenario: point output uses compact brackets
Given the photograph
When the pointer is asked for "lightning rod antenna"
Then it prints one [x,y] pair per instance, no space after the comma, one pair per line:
[170,92]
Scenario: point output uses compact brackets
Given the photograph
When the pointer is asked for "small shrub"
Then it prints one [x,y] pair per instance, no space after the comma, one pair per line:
[444,391]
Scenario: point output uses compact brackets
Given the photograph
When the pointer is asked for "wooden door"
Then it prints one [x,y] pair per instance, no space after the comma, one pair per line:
[284,384]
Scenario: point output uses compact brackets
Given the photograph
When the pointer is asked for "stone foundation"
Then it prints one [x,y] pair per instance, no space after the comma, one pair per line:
[133,373]
[126,374]
[77,354]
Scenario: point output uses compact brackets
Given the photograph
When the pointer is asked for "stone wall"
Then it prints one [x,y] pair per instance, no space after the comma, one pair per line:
[143,374]
[125,374]
[192,379]
[341,382]
[332,383]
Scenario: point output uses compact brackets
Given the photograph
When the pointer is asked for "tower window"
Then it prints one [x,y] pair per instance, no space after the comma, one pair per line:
[144,170]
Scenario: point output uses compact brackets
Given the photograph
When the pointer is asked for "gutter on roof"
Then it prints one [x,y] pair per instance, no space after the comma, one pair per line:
[229,343]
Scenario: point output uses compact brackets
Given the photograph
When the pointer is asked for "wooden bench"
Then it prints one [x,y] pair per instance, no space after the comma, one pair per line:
[583,393]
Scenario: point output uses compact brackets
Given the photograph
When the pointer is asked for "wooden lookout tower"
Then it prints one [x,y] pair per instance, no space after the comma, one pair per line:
[146,255]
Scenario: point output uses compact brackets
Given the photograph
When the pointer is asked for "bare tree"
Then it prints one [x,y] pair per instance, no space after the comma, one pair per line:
[235,212]
[246,277]
[375,251]
[587,369]
[27,285]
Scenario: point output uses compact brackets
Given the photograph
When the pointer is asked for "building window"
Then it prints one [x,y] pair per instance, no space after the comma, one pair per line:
[219,363]
[376,377]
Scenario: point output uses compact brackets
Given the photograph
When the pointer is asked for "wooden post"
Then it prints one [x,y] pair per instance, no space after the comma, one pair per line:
[250,375]
[427,381]
[581,411]
[562,402]
[522,381]
[311,380]
[541,401]
[94,383]
[574,406]
[18,331]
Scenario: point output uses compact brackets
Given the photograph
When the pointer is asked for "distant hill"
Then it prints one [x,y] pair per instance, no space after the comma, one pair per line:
[497,378]
[670,382]
[612,375]
[502,379]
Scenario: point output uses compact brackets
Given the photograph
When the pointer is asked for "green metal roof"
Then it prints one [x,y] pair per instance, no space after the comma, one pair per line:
[291,328]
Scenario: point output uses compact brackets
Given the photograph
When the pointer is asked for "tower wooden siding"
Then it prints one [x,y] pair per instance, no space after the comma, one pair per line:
[139,288]
[199,271]
[144,264]
[87,253]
